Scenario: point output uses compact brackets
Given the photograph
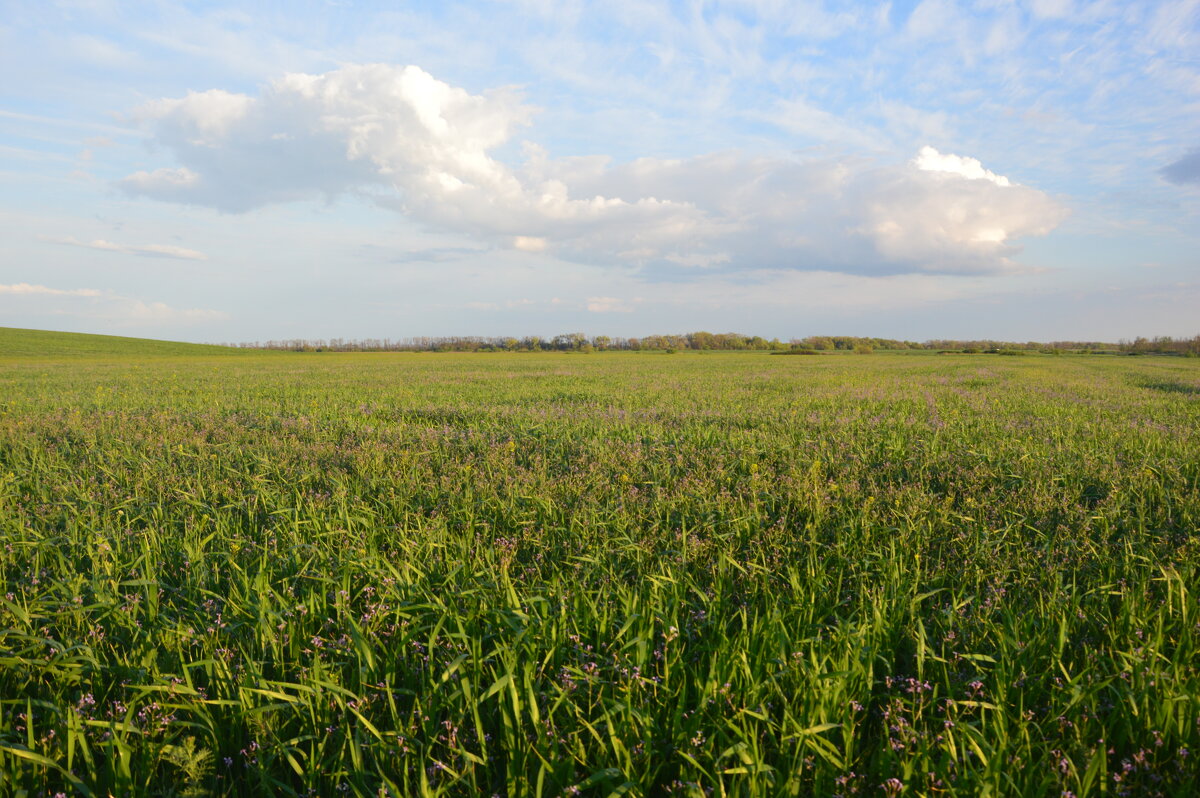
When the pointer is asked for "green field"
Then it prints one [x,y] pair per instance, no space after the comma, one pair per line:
[618,573]
[18,343]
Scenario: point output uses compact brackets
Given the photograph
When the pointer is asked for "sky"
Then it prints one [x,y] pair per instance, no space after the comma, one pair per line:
[225,172]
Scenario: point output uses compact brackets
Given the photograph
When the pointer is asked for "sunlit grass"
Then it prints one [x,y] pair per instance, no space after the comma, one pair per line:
[16,342]
[699,574]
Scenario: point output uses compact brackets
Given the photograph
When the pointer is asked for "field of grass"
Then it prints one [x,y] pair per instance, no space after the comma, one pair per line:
[16,342]
[610,574]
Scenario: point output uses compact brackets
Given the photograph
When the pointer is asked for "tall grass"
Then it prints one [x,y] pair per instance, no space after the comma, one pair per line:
[722,574]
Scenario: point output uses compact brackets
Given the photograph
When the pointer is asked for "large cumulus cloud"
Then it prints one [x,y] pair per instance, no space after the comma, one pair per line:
[430,148]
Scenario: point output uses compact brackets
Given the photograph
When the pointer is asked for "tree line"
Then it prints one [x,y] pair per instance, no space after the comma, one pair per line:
[706,341]
[566,342]
[1162,346]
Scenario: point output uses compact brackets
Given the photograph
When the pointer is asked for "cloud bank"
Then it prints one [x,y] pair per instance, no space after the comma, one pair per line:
[407,139]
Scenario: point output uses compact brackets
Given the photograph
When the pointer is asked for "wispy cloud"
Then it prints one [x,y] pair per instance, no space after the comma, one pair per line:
[144,250]
[27,289]
[66,122]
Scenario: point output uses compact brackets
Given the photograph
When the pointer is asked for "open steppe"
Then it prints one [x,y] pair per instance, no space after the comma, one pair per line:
[230,572]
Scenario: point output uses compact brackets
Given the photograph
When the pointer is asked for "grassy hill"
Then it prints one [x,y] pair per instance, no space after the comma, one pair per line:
[16,342]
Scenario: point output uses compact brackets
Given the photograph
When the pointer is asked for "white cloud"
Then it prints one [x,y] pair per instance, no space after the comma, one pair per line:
[145,250]
[313,135]
[204,117]
[930,160]
[529,243]
[27,289]
[951,223]
[381,129]
[847,215]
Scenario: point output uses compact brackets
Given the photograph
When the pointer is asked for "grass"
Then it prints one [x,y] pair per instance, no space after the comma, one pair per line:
[615,574]
[19,343]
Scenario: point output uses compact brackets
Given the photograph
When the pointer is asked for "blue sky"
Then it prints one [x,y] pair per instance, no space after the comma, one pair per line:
[228,172]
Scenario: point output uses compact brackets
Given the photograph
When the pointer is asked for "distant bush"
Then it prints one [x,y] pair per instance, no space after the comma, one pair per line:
[1163,345]
[863,349]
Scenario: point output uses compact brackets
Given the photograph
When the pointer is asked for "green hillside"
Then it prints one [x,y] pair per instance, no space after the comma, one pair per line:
[16,342]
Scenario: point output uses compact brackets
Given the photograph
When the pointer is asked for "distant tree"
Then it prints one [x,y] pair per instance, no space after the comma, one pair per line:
[702,340]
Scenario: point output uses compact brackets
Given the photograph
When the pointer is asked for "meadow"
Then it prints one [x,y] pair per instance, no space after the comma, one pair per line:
[699,574]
